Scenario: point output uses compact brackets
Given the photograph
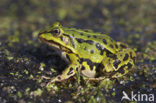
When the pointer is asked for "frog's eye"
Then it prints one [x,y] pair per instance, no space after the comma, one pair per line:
[56,32]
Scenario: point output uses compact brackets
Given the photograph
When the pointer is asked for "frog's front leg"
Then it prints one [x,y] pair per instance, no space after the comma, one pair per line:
[70,70]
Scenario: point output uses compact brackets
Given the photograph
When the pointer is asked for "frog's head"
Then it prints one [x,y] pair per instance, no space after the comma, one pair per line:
[55,37]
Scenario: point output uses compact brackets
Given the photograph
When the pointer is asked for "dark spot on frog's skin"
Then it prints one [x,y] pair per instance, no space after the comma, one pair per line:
[77,55]
[121,70]
[104,41]
[109,59]
[111,46]
[131,55]
[80,40]
[99,47]
[115,57]
[111,40]
[129,65]
[73,35]
[70,71]
[86,30]
[77,68]
[101,53]
[116,46]
[87,41]
[91,51]
[88,36]
[81,60]
[123,46]
[116,63]
[82,68]
[81,34]
[59,78]
[90,42]
[109,54]
[94,36]
[85,48]
[65,34]
[126,57]
[89,62]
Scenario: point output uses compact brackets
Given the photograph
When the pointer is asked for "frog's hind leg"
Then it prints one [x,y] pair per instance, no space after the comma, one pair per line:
[119,64]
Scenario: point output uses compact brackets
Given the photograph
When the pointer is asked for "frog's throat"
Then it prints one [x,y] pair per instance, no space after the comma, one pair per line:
[55,45]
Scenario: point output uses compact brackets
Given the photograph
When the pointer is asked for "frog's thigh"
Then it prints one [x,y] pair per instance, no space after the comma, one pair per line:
[119,66]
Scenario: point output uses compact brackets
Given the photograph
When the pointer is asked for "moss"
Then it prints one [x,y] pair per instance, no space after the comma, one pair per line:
[10,58]
[38,92]
[19,94]
[107,84]
[42,65]
[26,72]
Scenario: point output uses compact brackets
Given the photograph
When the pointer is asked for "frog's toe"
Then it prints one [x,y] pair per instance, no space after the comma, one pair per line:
[95,79]
[56,79]
[59,78]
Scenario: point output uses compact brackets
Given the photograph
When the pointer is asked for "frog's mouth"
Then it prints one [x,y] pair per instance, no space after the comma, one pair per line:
[55,45]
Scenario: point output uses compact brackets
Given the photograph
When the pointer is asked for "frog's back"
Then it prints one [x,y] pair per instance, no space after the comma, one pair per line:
[90,43]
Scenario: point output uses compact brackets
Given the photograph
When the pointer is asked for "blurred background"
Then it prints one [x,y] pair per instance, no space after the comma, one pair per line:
[23,57]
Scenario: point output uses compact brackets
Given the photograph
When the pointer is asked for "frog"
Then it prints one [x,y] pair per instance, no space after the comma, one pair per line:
[94,55]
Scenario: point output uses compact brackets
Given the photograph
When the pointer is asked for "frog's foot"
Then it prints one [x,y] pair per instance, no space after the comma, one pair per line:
[59,78]
[55,79]
[44,77]
[95,79]
[67,73]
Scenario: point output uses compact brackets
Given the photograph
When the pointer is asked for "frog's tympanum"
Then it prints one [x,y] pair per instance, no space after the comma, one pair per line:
[89,53]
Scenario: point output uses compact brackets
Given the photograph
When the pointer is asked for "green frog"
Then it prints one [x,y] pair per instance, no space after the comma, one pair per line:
[89,53]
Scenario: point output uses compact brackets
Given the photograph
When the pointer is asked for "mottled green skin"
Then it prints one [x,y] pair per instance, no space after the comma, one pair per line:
[88,52]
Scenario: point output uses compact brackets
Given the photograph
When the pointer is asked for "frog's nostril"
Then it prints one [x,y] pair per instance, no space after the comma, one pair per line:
[39,34]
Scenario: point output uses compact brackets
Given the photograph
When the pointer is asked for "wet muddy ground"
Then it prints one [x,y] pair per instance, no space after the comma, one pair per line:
[24,60]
